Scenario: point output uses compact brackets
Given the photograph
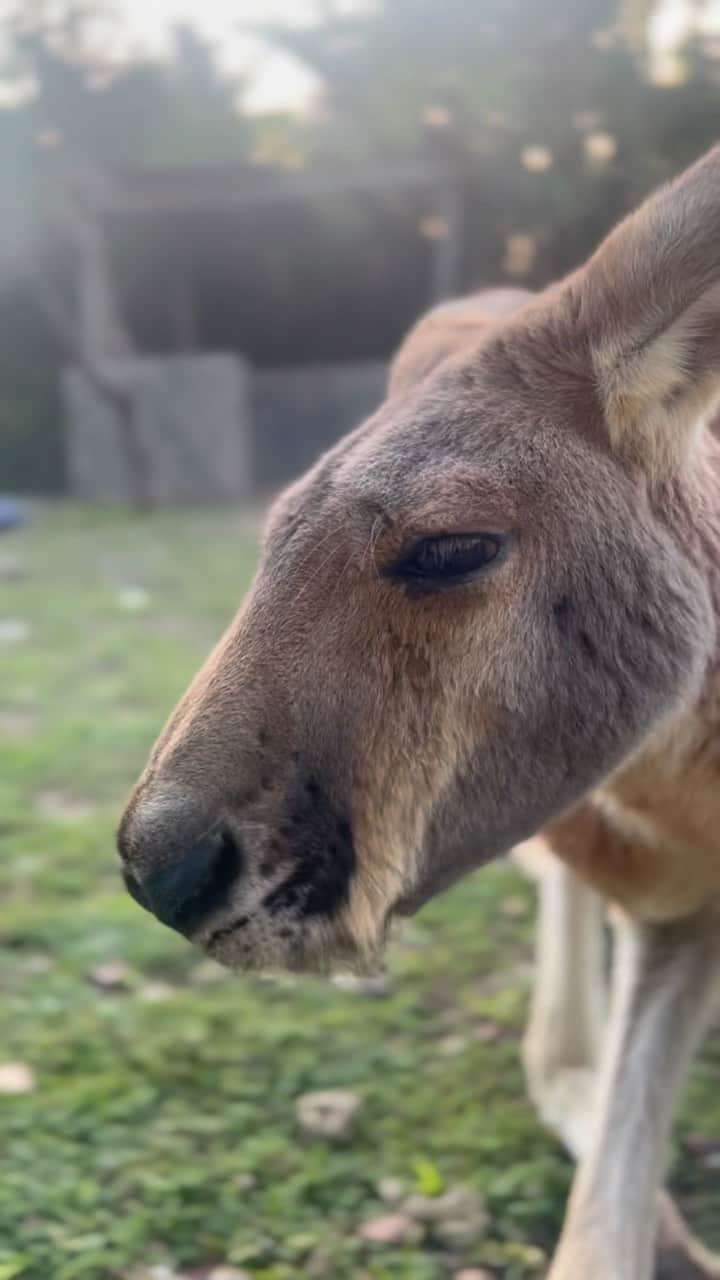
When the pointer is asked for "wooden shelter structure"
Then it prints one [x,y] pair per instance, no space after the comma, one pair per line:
[177,267]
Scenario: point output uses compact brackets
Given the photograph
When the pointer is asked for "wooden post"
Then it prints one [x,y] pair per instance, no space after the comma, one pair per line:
[102,334]
[446,266]
[100,341]
[446,229]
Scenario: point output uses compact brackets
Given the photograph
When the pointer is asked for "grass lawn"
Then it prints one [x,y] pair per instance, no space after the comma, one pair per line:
[157,1125]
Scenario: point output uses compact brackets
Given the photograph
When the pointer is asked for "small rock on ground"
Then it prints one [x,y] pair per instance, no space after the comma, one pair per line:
[711,1161]
[12,568]
[458,1218]
[62,806]
[375,985]
[391,1190]
[706,1151]
[112,976]
[34,963]
[208,972]
[228,1273]
[459,1233]
[133,599]
[158,1272]
[278,978]
[459,1203]
[514,908]
[14,631]
[456,1043]
[16,1077]
[155,992]
[17,723]
[328,1113]
[452,1046]
[473,1273]
[393,1228]
[486,1032]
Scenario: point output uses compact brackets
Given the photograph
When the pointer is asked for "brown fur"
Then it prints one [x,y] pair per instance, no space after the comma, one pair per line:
[367,743]
[449,726]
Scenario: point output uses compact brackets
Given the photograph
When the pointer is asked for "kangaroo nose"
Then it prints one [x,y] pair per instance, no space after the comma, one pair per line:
[191,885]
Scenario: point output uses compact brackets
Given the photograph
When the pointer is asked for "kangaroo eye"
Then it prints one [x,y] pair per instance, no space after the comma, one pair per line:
[448,559]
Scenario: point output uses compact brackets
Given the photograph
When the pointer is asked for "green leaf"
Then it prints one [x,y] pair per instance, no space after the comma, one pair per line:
[428,1178]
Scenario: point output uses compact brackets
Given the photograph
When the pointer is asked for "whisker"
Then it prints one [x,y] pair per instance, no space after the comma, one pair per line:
[320,567]
[369,541]
[317,545]
[343,571]
[369,550]
[374,541]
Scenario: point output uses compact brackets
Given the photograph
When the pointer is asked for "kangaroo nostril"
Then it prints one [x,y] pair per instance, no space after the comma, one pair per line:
[190,886]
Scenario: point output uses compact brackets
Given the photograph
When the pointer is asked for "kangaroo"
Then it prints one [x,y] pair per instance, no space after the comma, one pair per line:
[489,616]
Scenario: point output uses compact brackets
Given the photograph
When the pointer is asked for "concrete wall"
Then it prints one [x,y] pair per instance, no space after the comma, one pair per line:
[301,411]
[194,422]
[213,429]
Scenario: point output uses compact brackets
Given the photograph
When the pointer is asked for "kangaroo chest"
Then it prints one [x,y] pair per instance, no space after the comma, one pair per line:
[649,839]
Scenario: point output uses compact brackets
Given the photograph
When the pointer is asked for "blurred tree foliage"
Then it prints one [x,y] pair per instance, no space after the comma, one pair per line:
[544,105]
[541,105]
[539,114]
[77,113]
[83,112]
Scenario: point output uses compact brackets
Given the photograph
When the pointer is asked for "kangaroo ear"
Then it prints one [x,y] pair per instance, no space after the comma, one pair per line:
[648,303]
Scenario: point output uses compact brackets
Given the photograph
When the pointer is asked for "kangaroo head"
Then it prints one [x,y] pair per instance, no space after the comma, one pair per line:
[466,615]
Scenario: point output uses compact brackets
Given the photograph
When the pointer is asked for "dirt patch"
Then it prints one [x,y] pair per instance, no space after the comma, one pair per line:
[16,723]
[63,806]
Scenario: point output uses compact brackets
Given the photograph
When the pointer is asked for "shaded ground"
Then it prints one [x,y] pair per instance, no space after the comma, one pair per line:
[157,1121]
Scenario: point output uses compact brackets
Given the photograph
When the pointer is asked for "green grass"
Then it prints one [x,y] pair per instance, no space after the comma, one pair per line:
[135,1146]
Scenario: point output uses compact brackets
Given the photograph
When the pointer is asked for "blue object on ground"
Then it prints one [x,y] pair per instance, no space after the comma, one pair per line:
[12,514]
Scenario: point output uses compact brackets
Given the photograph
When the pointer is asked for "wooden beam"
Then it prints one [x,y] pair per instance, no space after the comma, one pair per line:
[194,191]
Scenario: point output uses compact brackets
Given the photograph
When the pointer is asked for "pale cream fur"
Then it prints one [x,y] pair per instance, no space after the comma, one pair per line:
[647,389]
[591,1085]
